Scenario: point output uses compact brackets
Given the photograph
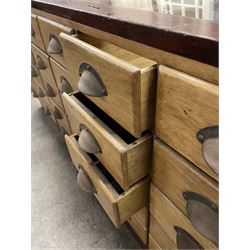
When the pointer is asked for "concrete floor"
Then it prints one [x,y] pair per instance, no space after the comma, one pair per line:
[64,217]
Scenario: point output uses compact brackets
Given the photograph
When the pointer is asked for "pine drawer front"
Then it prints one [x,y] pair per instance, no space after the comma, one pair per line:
[60,117]
[186,105]
[174,223]
[140,230]
[158,237]
[36,37]
[152,244]
[127,159]
[187,187]
[33,62]
[42,64]
[62,77]
[51,36]
[48,109]
[124,83]
[35,76]
[142,216]
[119,205]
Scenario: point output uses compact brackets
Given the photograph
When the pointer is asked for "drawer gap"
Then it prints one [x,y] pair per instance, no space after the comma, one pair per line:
[104,171]
[125,55]
[112,124]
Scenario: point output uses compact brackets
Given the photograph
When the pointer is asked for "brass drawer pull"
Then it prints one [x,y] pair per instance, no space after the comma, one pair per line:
[40,63]
[84,181]
[90,82]
[203,214]
[35,94]
[209,137]
[41,93]
[87,142]
[49,91]
[184,240]
[57,113]
[33,72]
[55,46]
[64,85]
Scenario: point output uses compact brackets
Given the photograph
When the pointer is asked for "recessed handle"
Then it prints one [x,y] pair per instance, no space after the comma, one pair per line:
[209,137]
[203,214]
[64,85]
[87,141]
[33,72]
[32,32]
[50,91]
[40,63]
[55,46]
[84,181]
[57,113]
[35,94]
[90,83]
[41,93]
[184,240]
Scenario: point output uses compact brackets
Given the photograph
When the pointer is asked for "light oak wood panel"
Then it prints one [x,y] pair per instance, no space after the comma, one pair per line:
[37,78]
[184,106]
[63,123]
[189,66]
[119,206]
[128,78]
[36,37]
[33,62]
[159,238]
[48,27]
[152,244]
[140,230]
[130,160]
[143,216]
[173,175]
[45,73]
[168,216]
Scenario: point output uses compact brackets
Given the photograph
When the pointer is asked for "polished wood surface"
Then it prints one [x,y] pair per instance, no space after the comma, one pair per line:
[191,38]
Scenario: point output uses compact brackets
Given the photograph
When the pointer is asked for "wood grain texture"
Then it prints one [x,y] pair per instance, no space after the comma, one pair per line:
[184,106]
[192,67]
[116,205]
[47,27]
[143,216]
[38,78]
[173,175]
[46,73]
[130,84]
[188,37]
[168,216]
[152,244]
[158,237]
[110,143]
[37,37]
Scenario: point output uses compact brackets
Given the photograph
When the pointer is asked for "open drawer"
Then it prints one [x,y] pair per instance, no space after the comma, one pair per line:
[121,83]
[127,159]
[119,205]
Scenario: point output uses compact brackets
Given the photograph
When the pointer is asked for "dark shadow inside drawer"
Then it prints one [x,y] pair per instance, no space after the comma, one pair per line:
[112,124]
[92,159]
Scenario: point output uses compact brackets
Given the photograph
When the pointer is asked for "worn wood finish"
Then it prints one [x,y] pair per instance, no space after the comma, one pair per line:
[119,207]
[168,216]
[192,67]
[140,230]
[46,73]
[128,78]
[187,37]
[184,106]
[37,78]
[125,165]
[33,62]
[143,216]
[173,175]
[63,123]
[47,27]
[152,244]
[159,238]
[36,38]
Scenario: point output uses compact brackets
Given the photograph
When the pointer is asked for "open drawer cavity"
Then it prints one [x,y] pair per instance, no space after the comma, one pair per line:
[120,205]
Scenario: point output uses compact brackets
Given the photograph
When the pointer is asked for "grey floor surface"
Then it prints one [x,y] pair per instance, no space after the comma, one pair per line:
[63,217]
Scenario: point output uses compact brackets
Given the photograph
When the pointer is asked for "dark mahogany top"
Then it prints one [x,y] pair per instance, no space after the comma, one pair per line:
[188,37]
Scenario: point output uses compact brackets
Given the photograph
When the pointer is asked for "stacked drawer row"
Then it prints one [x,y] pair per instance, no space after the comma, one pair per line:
[49,75]
[184,187]
[108,96]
